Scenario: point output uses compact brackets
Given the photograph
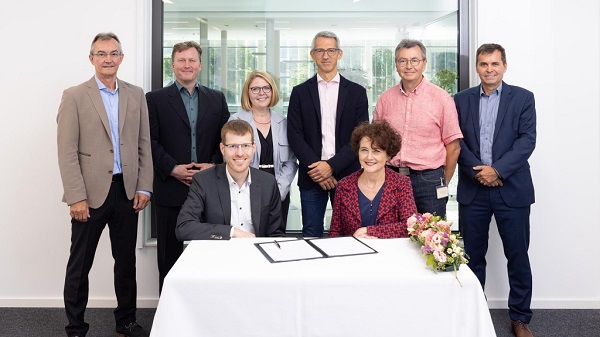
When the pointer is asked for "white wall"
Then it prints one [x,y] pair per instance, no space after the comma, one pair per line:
[552,50]
[45,47]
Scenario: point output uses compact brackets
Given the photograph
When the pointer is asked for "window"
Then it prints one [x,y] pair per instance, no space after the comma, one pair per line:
[238,36]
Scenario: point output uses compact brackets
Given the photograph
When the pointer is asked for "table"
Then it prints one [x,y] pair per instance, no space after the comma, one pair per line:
[228,288]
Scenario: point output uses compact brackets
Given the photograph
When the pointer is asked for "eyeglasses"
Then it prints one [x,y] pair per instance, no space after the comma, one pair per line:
[246,147]
[103,55]
[321,52]
[266,89]
[404,62]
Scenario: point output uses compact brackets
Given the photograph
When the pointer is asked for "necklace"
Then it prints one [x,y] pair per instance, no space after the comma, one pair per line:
[375,184]
[378,181]
[263,123]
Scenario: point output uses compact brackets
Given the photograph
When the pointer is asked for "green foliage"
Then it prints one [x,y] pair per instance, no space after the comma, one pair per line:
[445,79]
[167,70]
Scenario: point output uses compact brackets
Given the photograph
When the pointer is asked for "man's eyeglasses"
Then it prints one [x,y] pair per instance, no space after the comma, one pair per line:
[103,55]
[266,89]
[403,62]
[321,52]
[246,147]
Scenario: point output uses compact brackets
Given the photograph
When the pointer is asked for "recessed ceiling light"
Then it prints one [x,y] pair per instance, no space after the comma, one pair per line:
[168,2]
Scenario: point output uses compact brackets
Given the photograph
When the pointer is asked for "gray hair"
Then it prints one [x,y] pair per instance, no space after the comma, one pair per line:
[328,35]
[407,44]
[105,37]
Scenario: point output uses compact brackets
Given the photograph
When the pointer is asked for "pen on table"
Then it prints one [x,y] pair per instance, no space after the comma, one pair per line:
[277,243]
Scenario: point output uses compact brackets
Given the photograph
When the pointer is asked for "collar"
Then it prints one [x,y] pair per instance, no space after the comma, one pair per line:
[101,85]
[335,78]
[231,181]
[179,85]
[417,90]
[498,90]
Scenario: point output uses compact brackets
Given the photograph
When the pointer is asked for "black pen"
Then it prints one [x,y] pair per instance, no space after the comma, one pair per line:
[277,243]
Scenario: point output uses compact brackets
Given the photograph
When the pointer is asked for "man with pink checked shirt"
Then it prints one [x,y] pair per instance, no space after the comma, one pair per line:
[425,117]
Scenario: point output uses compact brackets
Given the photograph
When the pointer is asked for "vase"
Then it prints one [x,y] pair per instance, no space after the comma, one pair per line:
[451,268]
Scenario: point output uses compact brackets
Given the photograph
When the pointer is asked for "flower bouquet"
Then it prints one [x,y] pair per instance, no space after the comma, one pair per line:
[441,248]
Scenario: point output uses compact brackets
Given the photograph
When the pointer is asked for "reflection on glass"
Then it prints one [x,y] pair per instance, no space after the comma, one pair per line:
[238,37]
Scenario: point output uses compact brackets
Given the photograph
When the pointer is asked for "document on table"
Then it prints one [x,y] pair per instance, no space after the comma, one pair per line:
[308,249]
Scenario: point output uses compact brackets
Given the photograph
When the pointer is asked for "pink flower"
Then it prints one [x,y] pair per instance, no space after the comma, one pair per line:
[410,222]
[439,256]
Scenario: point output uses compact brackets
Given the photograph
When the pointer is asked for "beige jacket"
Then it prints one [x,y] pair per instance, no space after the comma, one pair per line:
[85,151]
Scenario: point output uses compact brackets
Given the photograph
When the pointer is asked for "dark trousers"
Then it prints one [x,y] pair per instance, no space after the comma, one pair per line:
[285,208]
[513,227]
[425,184]
[314,203]
[117,211]
[168,248]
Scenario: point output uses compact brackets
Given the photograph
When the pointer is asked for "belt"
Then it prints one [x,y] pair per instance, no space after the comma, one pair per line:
[117,177]
[408,171]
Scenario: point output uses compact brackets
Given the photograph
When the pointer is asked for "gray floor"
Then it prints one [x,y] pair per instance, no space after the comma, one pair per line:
[49,322]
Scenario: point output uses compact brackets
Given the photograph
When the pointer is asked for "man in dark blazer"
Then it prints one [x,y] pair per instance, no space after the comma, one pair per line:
[105,163]
[232,200]
[498,122]
[322,113]
[185,121]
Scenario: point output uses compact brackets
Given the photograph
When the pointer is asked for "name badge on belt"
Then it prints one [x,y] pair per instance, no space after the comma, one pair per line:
[442,190]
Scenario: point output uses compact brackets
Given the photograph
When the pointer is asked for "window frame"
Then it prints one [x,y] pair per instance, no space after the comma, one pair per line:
[156,72]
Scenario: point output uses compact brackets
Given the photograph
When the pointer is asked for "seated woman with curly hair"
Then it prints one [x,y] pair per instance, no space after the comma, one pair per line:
[373,202]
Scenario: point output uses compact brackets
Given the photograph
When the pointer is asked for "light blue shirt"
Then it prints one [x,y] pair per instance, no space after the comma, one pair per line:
[191,107]
[488,113]
[111,104]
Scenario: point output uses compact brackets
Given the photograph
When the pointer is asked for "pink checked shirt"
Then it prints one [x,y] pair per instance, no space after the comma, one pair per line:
[425,118]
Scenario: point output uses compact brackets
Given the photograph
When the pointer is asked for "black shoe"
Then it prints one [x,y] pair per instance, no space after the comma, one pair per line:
[132,330]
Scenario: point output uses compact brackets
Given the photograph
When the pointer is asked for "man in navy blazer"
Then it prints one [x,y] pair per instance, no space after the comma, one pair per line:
[498,122]
[322,113]
[185,124]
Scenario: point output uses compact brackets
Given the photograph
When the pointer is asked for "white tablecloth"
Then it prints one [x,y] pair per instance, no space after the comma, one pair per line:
[228,288]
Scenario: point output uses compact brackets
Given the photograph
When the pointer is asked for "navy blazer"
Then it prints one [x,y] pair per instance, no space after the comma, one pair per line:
[304,127]
[206,214]
[513,143]
[170,134]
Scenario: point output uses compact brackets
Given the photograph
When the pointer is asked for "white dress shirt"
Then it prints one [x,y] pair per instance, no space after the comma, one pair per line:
[328,96]
[241,215]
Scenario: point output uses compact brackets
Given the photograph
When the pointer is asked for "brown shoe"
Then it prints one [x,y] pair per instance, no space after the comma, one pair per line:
[521,329]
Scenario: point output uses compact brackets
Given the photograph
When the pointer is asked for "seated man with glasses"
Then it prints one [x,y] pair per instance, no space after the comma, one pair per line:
[231,200]
[425,117]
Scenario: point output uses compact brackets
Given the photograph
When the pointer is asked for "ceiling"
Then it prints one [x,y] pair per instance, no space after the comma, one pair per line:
[300,20]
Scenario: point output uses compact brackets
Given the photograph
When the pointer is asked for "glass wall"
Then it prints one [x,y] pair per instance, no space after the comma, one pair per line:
[239,36]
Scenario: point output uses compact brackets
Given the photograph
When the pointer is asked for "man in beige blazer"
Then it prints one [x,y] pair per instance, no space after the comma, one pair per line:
[105,164]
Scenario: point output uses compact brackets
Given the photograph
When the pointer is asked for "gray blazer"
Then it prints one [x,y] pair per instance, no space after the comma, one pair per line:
[284,159]
[206,213]
[85,154]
